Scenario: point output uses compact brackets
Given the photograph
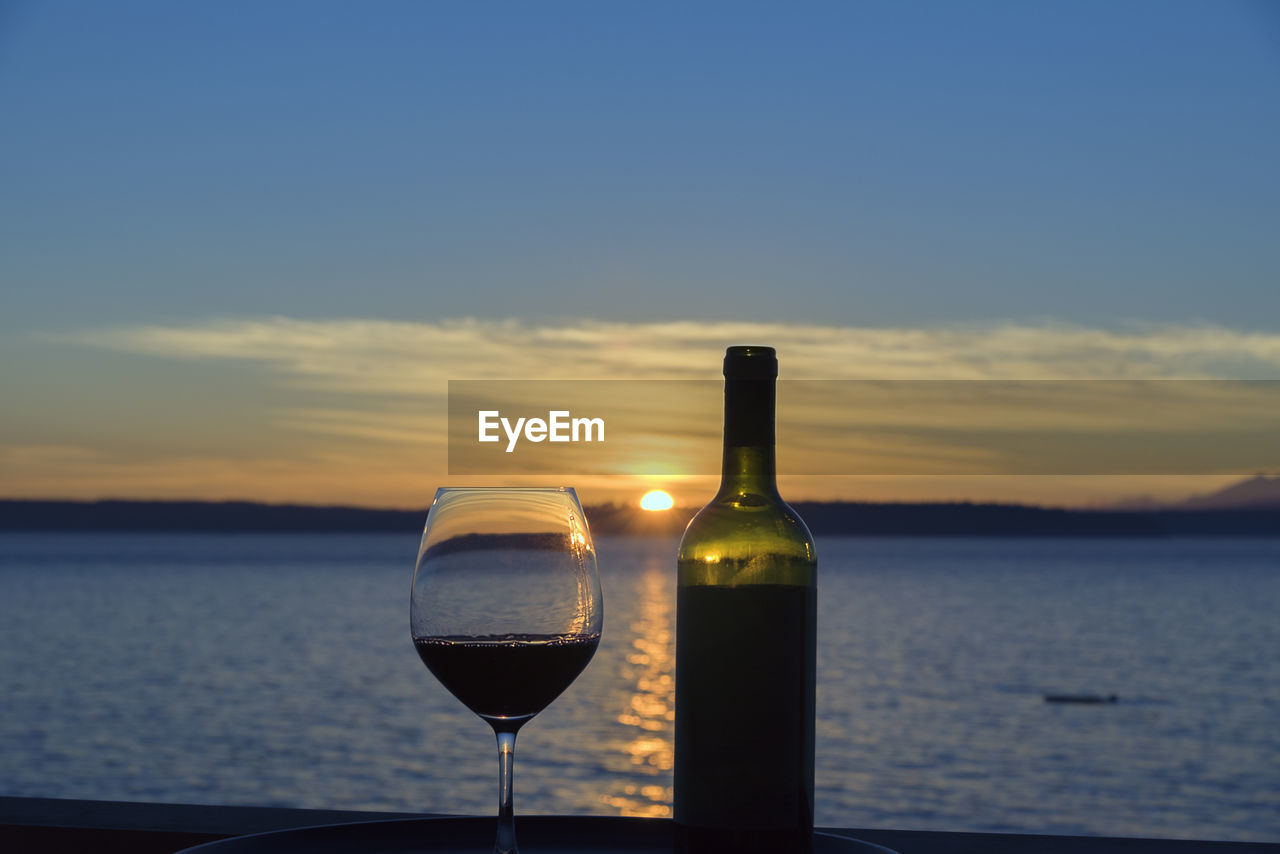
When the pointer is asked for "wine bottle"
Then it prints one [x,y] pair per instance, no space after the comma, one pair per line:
[746,635]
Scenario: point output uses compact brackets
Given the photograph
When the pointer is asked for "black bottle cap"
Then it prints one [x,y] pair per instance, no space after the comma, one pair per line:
[751,363]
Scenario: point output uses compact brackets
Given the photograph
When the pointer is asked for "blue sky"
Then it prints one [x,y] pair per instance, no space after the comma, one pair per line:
[1107,168]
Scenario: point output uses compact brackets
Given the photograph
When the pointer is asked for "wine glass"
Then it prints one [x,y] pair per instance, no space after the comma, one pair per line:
[506,608]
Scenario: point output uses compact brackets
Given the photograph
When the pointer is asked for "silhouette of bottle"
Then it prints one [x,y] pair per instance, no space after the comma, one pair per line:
[745,643]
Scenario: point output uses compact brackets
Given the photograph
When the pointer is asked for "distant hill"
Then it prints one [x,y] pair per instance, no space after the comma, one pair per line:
[1016,520]
[1259,491]
[841,518]
[245,516]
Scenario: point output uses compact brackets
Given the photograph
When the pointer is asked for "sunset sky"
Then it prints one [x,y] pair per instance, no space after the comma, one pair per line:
[245,246]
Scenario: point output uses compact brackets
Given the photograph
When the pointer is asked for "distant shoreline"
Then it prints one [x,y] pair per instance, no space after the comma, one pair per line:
[842,518]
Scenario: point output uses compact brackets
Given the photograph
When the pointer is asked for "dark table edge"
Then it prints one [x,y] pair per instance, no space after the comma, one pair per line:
[52,825]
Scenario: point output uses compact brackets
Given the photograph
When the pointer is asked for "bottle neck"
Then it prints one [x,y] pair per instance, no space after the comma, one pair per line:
[748,464]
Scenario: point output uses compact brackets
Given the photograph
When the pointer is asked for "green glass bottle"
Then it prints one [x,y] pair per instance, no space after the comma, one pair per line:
[745,643]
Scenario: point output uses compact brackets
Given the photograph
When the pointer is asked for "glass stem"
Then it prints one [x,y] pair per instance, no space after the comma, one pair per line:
[506,842]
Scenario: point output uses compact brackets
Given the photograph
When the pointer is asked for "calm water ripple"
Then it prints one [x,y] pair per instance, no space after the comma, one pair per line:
[277,670]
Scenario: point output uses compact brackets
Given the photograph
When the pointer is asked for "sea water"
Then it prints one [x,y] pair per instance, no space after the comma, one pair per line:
[278,670]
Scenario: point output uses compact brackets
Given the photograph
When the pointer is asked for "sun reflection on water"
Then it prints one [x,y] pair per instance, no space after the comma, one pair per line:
[649,670]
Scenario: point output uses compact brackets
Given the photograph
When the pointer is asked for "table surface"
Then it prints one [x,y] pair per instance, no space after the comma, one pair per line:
[51,826]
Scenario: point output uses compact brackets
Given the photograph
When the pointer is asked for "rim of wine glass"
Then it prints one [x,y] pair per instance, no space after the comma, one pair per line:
[508,490]
[440,489]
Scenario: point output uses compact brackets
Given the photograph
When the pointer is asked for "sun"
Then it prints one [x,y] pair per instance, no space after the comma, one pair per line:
[656,500]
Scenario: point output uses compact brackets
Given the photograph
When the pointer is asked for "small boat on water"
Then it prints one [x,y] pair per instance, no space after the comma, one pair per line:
[1081,698]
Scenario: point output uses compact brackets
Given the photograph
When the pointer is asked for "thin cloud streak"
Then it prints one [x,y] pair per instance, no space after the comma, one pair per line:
[409,358]
[360,409]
